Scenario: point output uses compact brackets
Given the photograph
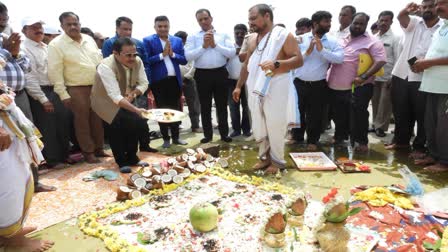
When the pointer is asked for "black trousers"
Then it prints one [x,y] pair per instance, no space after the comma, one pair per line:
[167,95]
[408,107]
[212,83]
[123,138]
[350,113]
[312,101]
[142,124]
[240,121]
[55,127]
[192,98]
[436,124]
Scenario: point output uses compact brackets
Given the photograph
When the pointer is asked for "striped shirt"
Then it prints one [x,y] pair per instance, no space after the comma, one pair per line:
[13,70]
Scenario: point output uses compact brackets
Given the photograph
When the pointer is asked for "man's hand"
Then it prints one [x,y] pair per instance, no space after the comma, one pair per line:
[318,42]
[12,44]
[236,94]
[412,8]
[207,41]
[166,50]
[388,83]
[48,107]
[141,111]
[267,65]
[420,66]
[5,139]
[67,103]
[212,39]
[132,95]
[310,48]
[358,81]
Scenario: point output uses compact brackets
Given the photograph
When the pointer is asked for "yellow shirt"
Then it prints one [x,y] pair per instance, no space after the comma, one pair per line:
[71,63]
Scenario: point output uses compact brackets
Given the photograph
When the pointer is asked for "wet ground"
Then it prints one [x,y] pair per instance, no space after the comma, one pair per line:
[384,165]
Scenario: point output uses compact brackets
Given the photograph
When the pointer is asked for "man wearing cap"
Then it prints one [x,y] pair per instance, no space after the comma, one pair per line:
[72,61]
[50,33]
[49,114]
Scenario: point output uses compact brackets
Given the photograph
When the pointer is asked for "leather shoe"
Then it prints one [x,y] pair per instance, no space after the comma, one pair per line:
[235,134]
[226,139]
[148,149]
[125,169]
[247,134]
[166,144]
[205,140]
[179,142]
[380,133]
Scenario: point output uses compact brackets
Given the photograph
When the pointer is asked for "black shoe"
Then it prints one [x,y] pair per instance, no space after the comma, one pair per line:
[125,169]
[148,149]
[226,139]
[380,133]
[372,130]
[247,134]
[235,134]
[205,140]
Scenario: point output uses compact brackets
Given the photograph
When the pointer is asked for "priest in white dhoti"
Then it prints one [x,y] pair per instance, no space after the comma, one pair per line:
[272,99]
[19,147]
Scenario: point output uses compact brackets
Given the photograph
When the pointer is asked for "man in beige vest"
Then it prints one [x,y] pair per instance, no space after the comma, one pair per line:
[120,78]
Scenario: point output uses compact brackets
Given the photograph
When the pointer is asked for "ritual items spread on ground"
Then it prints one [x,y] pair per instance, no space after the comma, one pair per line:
[313,161]
[246,213]
[352,166]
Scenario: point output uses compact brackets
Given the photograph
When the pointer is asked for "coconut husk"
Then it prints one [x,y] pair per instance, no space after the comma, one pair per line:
[333,237]
[276,223]
[299,206]
[339,210]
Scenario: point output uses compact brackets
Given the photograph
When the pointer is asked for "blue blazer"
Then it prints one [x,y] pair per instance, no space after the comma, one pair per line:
[154,48]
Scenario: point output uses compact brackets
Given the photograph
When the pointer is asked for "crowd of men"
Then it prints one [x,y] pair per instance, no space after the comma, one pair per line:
[80,88]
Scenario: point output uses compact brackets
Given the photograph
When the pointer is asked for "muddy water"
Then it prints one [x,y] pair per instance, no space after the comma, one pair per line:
[384,166]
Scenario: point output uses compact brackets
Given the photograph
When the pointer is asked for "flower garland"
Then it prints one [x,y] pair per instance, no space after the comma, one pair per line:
[88,222]
[444,246]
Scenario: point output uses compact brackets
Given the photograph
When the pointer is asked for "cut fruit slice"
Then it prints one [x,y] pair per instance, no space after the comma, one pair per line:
[172,172]
[135,194]
[200,168]
[140,182]
[178,179]
[185,173]
[166,178]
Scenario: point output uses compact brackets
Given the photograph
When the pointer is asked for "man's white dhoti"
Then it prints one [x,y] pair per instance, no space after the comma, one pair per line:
[273,102]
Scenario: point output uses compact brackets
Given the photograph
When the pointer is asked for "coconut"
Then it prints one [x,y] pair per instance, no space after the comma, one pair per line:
[156,170]
[209,158]
[172,172]
[166,178]
[179,169]
[200,168]
[140,182]
[204,217]
[298,207]
[123,193]
[135,194]
[190,165]
[223,163]
[171,161]
[185,173]
[276,223]
[185,157]
[147,174]
[190,152]
[178,179]
[192,159]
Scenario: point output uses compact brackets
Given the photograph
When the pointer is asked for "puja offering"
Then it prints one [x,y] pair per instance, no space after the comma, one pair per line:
[312,161]
[164,115]
[352,166]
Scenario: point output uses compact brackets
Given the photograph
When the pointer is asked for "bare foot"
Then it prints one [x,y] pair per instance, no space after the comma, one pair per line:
[396,146]
[272,169]
[101,154]
[417,155]
[362,148]
[44,188]
[91,159]
[261,164]
[425,161]
[437,168]
[311,147]
[22,243]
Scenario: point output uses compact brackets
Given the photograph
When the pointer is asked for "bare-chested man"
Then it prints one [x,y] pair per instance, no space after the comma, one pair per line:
[272,54]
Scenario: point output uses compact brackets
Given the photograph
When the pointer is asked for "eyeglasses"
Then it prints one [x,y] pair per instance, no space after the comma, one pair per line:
[130,55]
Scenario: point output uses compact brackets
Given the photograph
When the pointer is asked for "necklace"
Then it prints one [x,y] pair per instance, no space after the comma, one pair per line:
[258,50]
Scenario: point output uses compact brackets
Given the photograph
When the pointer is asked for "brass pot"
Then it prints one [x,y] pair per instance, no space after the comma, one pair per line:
[275,240]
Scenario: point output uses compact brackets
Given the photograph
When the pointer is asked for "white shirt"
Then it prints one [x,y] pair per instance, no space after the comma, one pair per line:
[341,35]
[234,66]
[113,87]
[416,40]
[391,43]
[38,55]
[209,58]
[168,63]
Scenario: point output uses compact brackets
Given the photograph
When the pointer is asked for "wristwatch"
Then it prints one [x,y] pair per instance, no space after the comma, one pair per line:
[363,76]
[276,64]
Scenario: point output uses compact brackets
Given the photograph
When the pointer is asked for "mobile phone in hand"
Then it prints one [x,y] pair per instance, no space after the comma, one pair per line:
[412,61]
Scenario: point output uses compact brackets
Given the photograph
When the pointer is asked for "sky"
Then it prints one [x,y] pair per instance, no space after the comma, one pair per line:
[100,15]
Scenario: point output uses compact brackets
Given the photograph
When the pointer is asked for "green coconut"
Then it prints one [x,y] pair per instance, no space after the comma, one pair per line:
[204,217]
